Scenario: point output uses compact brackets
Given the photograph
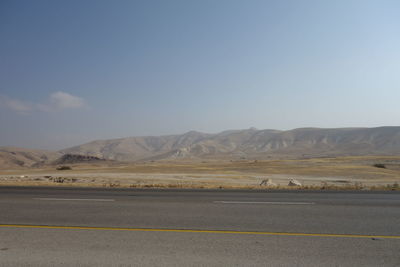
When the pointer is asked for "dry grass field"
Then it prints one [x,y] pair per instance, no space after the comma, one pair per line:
[331,173]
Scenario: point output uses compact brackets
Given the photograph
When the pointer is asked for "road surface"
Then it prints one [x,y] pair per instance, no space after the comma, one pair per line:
[116,227]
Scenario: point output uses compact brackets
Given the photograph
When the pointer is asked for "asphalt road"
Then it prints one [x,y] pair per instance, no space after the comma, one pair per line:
[103,227]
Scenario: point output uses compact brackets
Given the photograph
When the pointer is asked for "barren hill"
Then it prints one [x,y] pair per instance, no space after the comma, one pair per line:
[227,145]
[250,143]
[11,157]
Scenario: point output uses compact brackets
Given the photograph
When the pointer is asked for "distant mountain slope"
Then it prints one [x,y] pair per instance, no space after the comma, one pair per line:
[235,144]
[250,143]
[11,157]
[134,148]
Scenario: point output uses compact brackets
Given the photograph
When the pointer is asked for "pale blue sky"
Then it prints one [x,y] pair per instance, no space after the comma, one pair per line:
[74,71]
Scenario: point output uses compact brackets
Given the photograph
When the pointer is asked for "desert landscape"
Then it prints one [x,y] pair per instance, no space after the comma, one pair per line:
[200,133]
[309,158]
[342,172]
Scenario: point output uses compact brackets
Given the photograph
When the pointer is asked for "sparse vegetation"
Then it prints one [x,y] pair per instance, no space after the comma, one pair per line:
[112,185]
[340,173]
[72,159]
[64,180]
[58,180]
[323,186]
[63,168]
[380,165]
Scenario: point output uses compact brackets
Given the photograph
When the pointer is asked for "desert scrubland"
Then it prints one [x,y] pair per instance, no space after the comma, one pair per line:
[361,172]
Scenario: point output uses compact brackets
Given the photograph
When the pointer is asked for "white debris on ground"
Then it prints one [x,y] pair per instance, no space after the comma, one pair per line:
[203,180]
[294,182]
[267,182]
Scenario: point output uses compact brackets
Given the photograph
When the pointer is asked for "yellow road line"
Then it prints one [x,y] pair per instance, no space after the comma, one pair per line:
[194,231]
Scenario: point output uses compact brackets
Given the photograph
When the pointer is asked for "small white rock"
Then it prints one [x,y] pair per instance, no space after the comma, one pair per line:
[267,182]
[294,182]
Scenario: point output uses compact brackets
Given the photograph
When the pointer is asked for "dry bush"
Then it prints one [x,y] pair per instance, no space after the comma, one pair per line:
[64,168]
[380,165]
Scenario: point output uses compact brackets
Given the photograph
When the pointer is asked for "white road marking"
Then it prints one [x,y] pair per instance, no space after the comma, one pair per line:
[74,199]
[265,202]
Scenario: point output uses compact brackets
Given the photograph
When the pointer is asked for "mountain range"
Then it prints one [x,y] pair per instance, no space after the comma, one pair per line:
[233,144]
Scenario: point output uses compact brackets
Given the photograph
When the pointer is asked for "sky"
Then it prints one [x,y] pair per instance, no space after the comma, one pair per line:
[77,71]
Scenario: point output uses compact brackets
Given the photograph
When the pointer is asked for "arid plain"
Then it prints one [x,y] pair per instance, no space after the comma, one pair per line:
[330,173]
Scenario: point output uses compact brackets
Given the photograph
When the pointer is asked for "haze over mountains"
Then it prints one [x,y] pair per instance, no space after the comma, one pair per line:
[235,144]
[250,143]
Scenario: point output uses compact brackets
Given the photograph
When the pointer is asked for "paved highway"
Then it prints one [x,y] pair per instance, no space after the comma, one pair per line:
[104,227]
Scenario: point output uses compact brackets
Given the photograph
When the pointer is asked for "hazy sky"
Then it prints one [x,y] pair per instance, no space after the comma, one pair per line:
[74,71]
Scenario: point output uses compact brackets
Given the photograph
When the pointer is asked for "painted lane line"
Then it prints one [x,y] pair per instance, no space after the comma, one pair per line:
[265,202]
[74,199]
[197,231]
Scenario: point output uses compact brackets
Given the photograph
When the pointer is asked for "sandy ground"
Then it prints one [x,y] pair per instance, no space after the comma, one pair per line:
[310,172]
[141,179]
